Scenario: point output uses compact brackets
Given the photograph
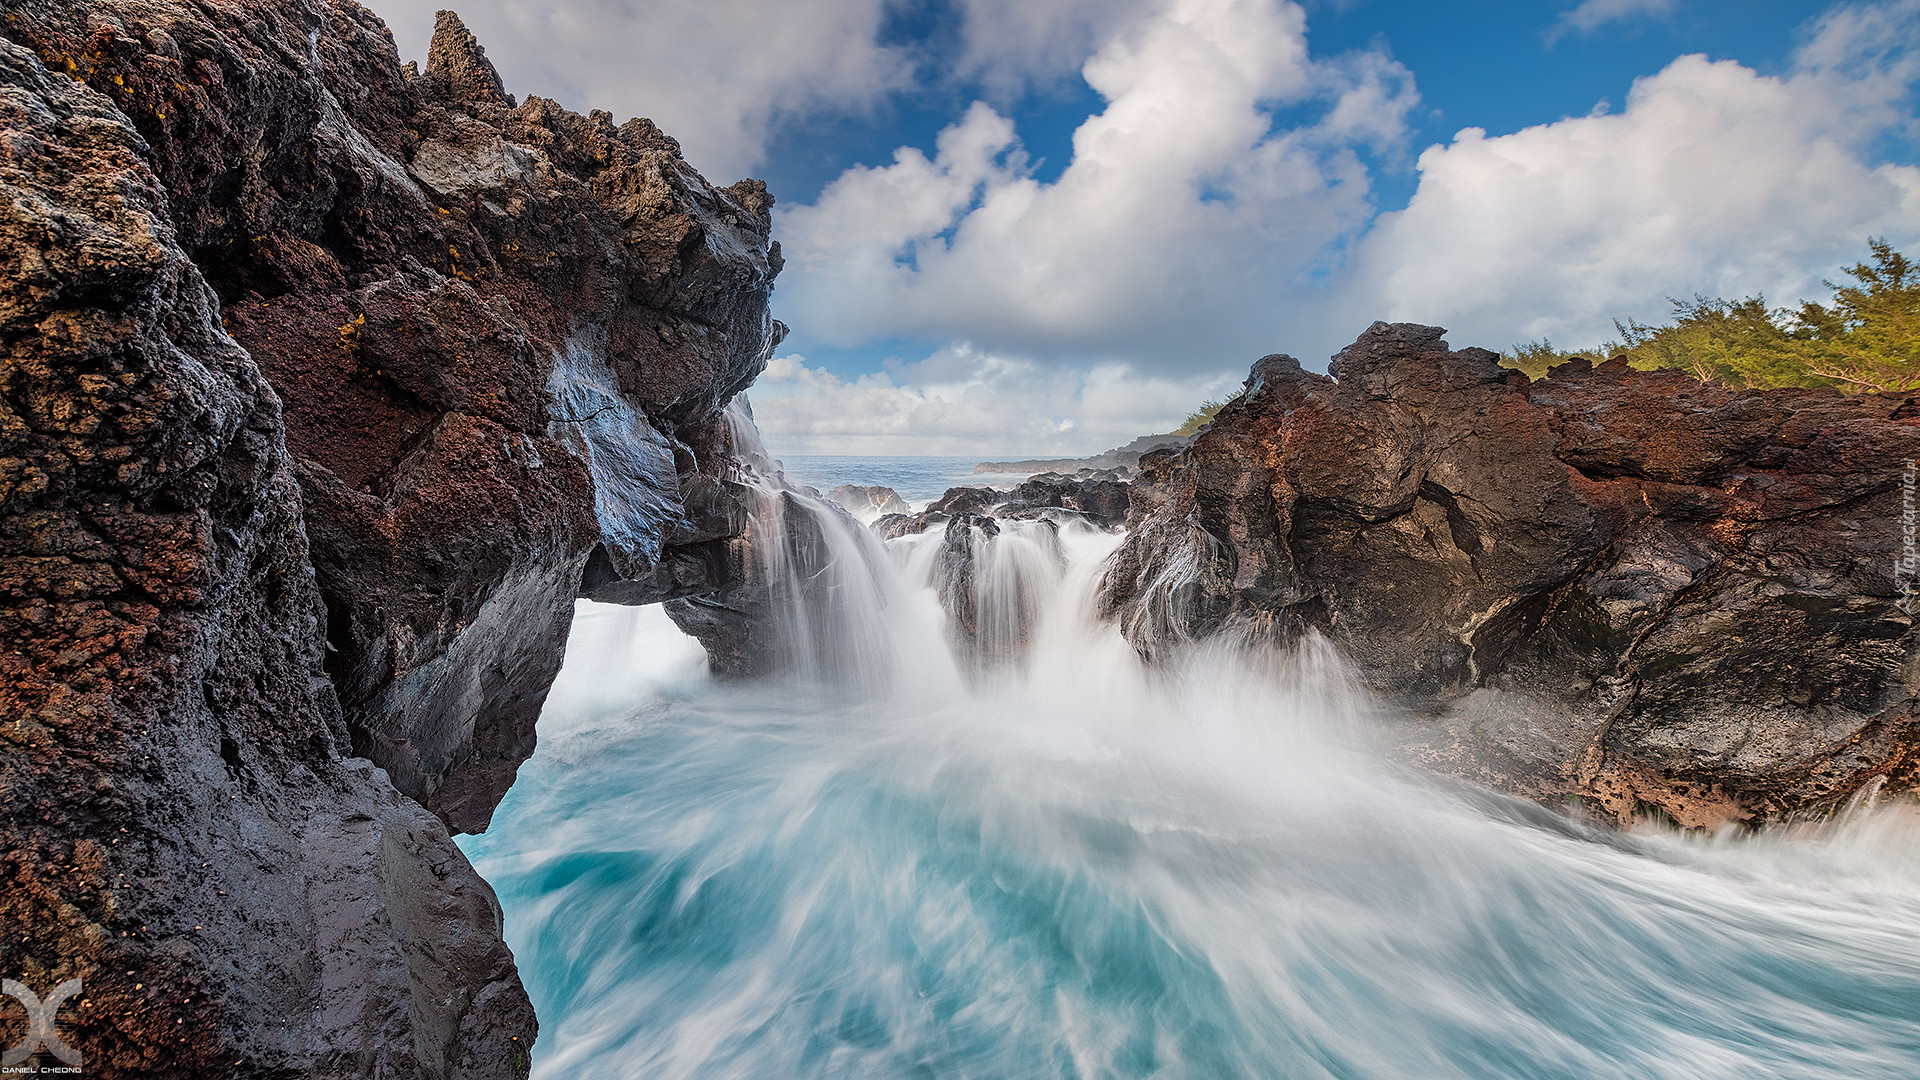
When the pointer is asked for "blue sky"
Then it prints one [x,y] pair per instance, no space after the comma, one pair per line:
[1039,226]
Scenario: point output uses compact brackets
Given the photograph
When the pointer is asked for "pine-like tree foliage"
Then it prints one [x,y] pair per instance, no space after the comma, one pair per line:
[1866,339]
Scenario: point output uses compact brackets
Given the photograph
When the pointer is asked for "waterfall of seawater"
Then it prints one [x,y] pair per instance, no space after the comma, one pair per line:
[1019,852]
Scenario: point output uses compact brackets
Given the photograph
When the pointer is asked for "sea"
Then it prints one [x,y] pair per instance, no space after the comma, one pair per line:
[918,480]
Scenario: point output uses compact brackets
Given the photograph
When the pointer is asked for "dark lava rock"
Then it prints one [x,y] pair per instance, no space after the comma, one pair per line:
[955,570]
[1625,587]
[782,568]
[295,468]
[1100,500]
[895,526]
[178,826]
[966,500]
[406,256]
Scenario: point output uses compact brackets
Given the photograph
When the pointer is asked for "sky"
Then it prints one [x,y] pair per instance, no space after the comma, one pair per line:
[1016,228]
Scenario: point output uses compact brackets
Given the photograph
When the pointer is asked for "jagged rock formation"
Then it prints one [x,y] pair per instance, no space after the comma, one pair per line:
[405,257]
[1619,586]
[217,592]
[1099,499]
[177,824]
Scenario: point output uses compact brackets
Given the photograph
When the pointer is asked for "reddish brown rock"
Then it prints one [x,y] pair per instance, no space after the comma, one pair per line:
[405,256]
[178,826]
[1623,587]
[327,378]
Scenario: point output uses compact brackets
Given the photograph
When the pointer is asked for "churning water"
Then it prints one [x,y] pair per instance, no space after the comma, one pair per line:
[1064,864]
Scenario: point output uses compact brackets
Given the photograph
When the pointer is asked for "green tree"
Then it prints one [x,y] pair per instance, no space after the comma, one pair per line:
[1537,357]
[1869,338]
[1739,342]
[1208,410]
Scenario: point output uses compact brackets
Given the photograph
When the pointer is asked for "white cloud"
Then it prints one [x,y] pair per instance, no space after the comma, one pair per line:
[1715,179]
[1590,15]
[964,401]
[715,74]
[1014,45]
[1170,237]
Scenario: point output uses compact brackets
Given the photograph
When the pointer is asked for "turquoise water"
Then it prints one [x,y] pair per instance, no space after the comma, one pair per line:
[1081,868]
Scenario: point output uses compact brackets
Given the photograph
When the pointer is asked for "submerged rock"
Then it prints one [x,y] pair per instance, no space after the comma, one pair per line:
[1624,587]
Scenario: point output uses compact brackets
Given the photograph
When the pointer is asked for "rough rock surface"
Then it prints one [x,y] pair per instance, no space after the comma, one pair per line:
[1627,587]
[178,827]
[783,565]
[502,333]
[1096,498]
[405,257]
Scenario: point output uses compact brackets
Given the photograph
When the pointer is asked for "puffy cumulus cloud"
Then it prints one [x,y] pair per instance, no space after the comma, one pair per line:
[1590,15]
[1171,238]
[961,400]
[715,74]
[1714,179]
[1012,46]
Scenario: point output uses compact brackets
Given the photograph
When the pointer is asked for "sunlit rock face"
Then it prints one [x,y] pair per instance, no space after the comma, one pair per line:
[292,469]
[1626,587]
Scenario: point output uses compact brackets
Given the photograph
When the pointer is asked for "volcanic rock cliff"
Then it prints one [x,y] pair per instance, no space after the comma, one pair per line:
[1621,587]
[327,380]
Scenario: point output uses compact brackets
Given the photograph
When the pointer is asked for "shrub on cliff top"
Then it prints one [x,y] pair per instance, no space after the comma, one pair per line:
[1208,410]
[1866,339]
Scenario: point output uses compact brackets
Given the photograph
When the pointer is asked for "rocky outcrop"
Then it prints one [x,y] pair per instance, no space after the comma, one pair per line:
[329,381]
[776,607]
[431,275]
[178,826]
[1621,587]
[1099,499]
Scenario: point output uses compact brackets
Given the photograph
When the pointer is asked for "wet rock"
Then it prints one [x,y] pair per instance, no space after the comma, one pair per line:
[179,827]
[967,500]
[330,318]
[407,257]
[955,570]
[1100,500]
[895,526]
[781,562]
[1622,587]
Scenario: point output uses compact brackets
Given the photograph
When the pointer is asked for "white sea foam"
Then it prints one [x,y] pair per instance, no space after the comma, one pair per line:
[895,860]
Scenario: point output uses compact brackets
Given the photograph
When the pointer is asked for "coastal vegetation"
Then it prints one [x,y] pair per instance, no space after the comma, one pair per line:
[1204,415]
[1866,338]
